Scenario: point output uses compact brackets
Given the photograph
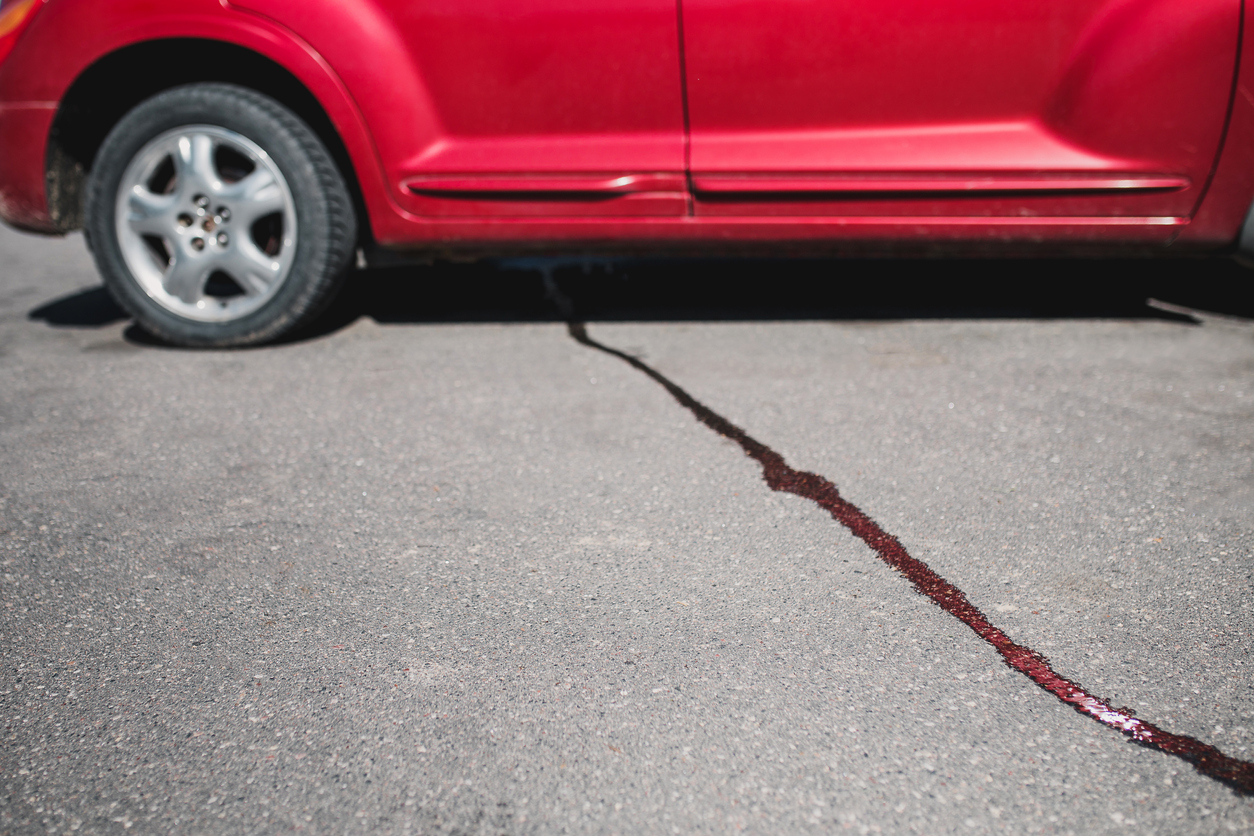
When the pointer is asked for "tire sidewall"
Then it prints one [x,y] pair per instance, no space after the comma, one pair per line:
[290,144]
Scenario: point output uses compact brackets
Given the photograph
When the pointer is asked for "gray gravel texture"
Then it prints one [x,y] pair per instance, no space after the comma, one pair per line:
[477,579]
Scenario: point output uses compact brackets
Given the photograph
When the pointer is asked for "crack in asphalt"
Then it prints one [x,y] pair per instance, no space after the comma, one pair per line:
[779,476]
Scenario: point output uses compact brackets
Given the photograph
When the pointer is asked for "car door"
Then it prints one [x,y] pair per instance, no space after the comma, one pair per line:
[963,107]
[547,107]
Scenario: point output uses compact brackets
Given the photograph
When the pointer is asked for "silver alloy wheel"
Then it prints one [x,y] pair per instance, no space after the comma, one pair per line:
[206,223]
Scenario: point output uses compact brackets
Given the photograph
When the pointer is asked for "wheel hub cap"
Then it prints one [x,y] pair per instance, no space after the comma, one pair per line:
[206,223]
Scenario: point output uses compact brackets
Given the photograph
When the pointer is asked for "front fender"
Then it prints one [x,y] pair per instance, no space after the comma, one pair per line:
[69,36]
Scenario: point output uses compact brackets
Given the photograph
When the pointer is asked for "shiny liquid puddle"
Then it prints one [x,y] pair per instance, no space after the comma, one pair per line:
[778,476]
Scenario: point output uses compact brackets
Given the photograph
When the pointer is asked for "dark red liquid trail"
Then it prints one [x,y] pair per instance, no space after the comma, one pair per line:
[779,476]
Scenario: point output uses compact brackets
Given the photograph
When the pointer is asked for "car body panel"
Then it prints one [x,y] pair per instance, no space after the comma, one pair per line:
[1230,193]
[559,127]
[481,88]
[23,135]
[1028,92]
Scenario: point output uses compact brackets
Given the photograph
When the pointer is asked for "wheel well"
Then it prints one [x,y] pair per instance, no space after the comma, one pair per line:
[109,88]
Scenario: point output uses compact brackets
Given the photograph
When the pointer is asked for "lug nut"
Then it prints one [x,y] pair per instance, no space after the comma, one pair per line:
[201,201]
[185,220]
[224,214]
[222,239]
[198,244]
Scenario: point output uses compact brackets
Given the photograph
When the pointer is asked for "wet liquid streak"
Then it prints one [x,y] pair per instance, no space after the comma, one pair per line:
[779,476]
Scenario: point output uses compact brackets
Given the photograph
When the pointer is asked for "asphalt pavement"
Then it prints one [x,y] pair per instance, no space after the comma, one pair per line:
[436,567]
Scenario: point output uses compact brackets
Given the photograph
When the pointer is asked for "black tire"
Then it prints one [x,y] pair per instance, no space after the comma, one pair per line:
[325,228]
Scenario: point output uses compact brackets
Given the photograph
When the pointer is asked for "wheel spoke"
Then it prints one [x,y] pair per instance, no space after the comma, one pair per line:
[254,197]
[194,161]
[149,214]
[252,270]
[185,277]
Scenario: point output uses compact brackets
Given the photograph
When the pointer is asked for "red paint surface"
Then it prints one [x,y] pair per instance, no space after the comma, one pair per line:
[777,474]
[14,18]
[981,108]
[23,128]
[963,87]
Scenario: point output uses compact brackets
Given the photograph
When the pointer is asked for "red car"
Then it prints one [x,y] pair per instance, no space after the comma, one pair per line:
[228,158]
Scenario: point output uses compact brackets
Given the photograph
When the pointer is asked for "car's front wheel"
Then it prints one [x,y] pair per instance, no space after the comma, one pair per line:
[218,218]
